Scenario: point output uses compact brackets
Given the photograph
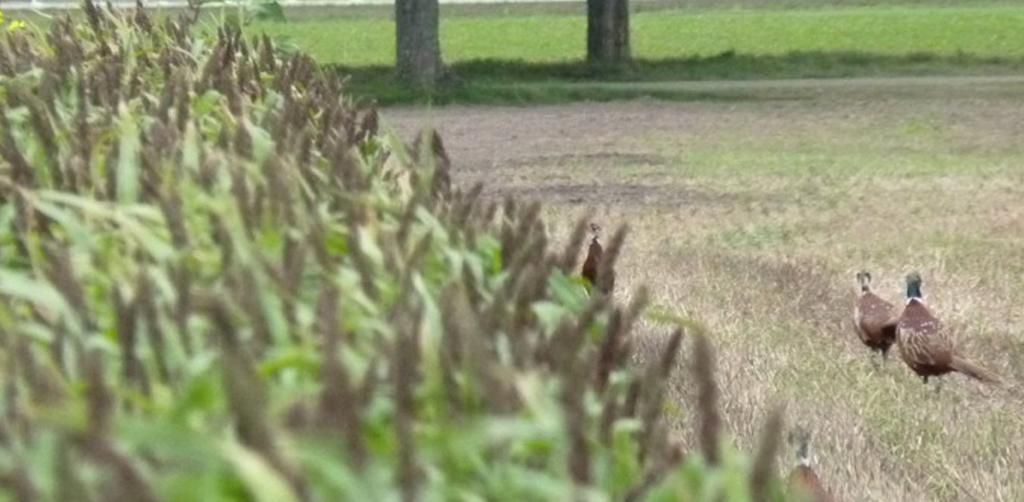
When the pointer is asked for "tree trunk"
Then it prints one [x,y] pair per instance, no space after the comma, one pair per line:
[419,50]
[607,31]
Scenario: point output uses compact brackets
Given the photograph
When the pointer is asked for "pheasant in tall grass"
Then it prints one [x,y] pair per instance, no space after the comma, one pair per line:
[925,346]
[874,319]
[594,254]
[804,483]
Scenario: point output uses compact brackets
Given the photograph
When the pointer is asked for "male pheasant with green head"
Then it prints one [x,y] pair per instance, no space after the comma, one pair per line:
[925,346]
[874,319]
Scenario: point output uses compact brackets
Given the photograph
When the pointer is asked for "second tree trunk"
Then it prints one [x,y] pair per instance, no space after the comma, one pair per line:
[607,31]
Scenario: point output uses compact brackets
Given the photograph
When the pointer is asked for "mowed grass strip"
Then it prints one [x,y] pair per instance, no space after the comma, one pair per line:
[992,31]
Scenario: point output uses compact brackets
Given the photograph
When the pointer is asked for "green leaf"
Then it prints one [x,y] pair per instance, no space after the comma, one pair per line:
[6,216]
[273,312]
[336,242]
[263,483]
[269,11]
[566,291]
[36,331]
[23,287]
[625,465]
[190,149]
[262,142]
[129,218]
[490,250]
[300,358]
[549,314]
[206,103]
[75,228]
[368,245]
[128,157]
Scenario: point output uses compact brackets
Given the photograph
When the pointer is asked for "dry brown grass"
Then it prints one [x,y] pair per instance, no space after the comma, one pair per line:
[753,218]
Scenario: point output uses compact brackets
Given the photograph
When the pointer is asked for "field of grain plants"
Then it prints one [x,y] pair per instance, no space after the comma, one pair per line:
[752,217]
[220,280]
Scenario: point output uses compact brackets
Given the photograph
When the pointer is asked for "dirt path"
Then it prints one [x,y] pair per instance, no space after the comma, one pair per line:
[487,138]
[551,151]
[533,152]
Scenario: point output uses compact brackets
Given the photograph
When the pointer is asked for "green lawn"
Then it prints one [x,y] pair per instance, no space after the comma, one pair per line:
[993,31]
[525,53]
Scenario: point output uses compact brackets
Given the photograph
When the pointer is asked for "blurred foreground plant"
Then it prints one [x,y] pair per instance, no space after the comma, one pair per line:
[220,280]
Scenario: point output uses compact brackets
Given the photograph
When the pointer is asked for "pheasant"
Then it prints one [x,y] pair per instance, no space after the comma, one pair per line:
[804,483]
[923,344]
[594,254]
[874,318]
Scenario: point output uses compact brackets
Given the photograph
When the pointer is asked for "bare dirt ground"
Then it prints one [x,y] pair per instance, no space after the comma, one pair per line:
[752,216]
[539,151]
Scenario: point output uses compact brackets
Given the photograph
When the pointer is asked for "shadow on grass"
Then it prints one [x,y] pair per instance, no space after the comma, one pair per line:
[522,82]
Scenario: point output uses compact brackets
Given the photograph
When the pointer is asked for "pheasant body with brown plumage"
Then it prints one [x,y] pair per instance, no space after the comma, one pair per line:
[925,346]
[592,264]
[874,319]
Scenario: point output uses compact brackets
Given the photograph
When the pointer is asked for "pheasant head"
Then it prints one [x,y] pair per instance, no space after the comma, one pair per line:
[913,286]
[864,280]
[799,440]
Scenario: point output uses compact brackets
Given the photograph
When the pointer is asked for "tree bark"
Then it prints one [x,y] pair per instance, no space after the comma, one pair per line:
[419,49]
[608,31]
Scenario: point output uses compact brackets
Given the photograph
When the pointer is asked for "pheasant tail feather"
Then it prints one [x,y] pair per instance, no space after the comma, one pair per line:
[973,370]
